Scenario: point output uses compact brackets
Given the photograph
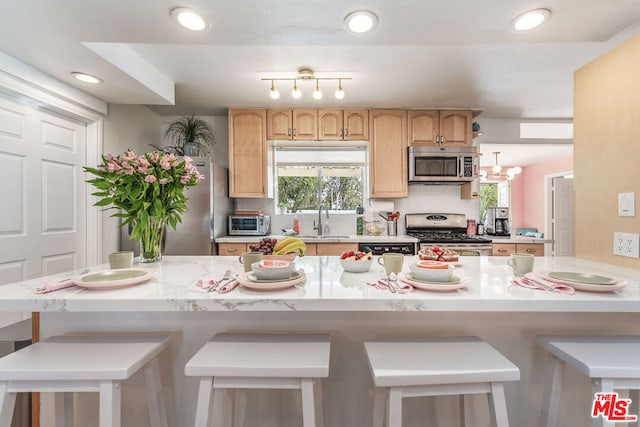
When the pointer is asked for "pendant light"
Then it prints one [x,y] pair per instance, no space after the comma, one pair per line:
[497,169]
[317,93]
[339,92]
[296,92]
[274,93]
[305,74]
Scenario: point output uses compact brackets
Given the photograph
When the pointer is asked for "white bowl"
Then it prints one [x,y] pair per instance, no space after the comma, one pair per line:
[272,269]
[352,266]
[431,274]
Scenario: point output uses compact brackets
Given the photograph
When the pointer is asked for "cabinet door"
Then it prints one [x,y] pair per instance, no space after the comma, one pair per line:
[536,249]
[356,125]
[311,249]
[279,124]
[388,154]
[424,126]
[305,124]
[503,249]
[455,127]
[330,125]
[335,248]
[227,249]
[248,153]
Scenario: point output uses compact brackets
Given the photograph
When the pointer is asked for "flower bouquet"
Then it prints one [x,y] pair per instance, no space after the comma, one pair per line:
[149,190]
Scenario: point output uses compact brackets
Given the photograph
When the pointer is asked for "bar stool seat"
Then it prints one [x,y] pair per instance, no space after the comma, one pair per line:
[611,362]
[83,364]
[231,362]
[437,367]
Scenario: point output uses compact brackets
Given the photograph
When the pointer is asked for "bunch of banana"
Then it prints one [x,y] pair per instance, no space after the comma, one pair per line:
[289,245]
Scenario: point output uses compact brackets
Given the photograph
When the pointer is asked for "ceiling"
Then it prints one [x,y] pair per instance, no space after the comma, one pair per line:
[423,53]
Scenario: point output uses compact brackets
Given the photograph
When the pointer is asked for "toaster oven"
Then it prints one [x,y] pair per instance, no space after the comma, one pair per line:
[254,225]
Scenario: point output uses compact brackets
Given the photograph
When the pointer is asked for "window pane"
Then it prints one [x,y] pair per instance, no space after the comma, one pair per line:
[297,188]
[341,188]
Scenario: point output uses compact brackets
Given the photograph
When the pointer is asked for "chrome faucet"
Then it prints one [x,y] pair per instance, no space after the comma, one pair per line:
[319,226]
[327,230]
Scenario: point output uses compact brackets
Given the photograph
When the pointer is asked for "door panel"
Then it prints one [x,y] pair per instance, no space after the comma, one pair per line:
[562,217]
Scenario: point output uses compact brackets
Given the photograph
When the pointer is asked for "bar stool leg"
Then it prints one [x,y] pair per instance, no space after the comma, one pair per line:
[205,402]
[63,409]
[394,408]
[155,398]
[466,416]
[498,401]
[110,403]
[379,403]
[308,410]
[601,385]
[317,393]
[552,389]
[7,402]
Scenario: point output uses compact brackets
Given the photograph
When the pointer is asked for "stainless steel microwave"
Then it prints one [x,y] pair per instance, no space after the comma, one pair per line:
[254,225]
[446,165]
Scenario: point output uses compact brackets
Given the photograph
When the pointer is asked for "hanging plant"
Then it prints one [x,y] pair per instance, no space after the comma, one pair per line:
[190,130]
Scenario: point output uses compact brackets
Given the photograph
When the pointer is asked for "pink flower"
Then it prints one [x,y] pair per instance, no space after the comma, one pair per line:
[185,179]
[154,157]
[113,166]
[165,163]
[128,171]
[163,181]
[149,178]
[129,155]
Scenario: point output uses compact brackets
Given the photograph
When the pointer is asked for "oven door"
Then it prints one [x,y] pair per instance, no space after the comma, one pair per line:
[463,249]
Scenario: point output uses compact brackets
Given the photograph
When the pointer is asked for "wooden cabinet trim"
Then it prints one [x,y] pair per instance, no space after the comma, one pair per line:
[388,154]
[248,154]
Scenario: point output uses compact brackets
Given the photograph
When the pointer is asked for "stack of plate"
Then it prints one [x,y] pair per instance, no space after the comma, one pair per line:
[584,281]
[249,280]
[454,283]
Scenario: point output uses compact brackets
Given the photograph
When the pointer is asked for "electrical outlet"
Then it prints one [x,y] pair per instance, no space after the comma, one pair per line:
[626,244]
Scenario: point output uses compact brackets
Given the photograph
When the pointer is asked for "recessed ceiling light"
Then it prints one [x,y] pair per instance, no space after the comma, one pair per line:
[531,19]
[87,78]
[189,18]
[361,21]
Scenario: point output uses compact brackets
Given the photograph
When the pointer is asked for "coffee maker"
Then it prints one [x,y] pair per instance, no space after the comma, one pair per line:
[497,221]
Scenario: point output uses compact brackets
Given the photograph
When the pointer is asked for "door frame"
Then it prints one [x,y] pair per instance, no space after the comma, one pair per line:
[548,203]
[25,85]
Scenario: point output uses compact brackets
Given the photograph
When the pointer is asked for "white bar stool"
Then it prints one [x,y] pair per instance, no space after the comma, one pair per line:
[231,362]
[437,367]
[66,364]
[612,363]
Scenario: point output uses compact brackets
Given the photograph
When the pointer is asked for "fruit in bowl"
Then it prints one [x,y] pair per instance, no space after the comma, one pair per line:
[437,253]
[431,271]
[268,269]
[356,261]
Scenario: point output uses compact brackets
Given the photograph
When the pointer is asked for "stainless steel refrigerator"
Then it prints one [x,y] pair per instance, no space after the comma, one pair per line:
[208,208]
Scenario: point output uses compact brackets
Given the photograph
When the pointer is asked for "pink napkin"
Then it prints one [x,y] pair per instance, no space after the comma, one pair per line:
[405,288]
[207,284]
[51,285]
[529,281]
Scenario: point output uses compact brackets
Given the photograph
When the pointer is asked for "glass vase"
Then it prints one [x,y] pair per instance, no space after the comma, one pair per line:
[151,241]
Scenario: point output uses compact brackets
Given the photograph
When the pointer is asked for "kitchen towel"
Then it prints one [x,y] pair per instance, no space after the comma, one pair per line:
[52,285]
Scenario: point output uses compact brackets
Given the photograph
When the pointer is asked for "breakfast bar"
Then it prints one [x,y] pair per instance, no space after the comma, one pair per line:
[490,306]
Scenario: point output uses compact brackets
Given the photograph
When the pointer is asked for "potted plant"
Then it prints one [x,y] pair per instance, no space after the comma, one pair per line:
[190,135]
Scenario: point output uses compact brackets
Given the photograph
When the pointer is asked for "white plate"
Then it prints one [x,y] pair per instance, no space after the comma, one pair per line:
[252,277]
[109,279]
[455,283]
[245,281]
[586,286]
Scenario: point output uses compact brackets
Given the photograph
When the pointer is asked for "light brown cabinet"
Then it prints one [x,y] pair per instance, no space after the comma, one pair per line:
[335,248]
[292,124]
[440,127]
[248,154]
[226,249]
[388,154]
[343,125]
[506,249]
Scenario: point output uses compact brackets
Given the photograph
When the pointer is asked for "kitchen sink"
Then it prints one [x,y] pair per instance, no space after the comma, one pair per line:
[330,236]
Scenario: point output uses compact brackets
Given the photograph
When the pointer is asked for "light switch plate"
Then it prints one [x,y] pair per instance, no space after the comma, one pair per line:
[626,244]
[627,204]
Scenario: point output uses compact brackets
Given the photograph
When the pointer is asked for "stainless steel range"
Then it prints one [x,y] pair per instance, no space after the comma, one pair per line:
[447,230]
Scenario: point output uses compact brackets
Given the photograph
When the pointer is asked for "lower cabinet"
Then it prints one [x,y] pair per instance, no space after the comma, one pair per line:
[232,248]
[334,248]
[506,249]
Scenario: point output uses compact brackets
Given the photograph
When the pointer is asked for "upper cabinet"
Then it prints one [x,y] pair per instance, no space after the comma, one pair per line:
[440,127]
[343,125]
[292,124]
[388,154]
[248,154]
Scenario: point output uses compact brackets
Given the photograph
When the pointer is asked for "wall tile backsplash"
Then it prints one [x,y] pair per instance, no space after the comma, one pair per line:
[422,198]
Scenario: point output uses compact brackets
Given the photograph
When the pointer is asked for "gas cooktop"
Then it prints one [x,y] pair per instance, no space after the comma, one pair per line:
[440,228]
[446,237]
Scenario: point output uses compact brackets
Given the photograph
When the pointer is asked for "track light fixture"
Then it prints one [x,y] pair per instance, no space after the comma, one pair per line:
[305,74]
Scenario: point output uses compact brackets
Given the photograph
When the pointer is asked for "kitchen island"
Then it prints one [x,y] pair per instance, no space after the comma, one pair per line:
[506,316]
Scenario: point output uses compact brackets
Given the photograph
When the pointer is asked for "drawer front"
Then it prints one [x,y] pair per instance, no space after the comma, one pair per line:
[536,249]
[502,249]
[335,248]
[311,249]
[231,248]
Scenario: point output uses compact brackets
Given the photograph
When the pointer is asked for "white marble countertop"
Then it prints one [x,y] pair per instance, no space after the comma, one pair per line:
[329,288]
[324,239]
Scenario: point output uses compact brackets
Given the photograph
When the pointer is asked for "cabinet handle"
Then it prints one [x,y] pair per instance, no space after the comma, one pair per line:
[340,133]
[502,250]
[346,132]
[442,140]
[289,132]
[437,139]
[531,250]
[232,250]
[294,132]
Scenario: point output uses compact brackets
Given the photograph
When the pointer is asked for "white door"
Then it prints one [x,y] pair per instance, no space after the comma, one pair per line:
[42,218]
[562,216]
